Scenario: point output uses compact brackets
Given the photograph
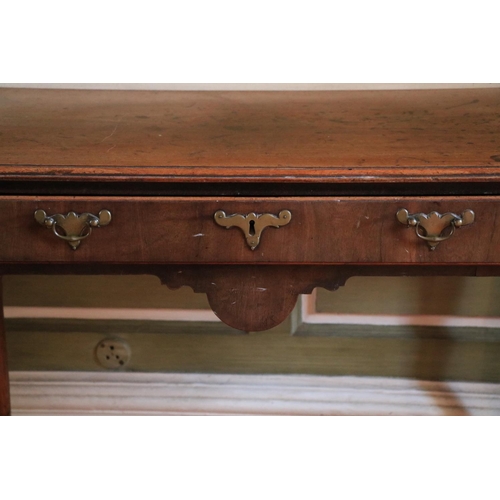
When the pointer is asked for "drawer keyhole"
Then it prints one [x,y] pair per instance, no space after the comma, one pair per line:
[252,224]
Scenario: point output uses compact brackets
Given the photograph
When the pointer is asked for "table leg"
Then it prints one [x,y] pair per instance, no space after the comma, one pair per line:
[4,372]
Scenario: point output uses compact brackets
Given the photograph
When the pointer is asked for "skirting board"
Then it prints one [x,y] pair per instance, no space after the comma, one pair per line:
[97,393]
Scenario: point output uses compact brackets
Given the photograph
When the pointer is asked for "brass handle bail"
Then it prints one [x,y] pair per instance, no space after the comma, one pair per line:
[431,227]
[73,227]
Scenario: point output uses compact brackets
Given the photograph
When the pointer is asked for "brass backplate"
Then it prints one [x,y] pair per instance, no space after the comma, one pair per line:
[435,227]
[73,227]
[252,224]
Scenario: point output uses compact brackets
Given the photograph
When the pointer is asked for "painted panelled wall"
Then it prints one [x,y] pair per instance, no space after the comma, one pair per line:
[424,328]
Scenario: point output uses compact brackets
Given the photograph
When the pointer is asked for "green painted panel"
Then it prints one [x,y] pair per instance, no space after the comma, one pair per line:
[461,296]
[268,352]
[454,296]
[98,291]
[427,354]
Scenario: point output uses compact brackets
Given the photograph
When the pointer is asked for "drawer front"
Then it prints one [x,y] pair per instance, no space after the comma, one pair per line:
[184,230]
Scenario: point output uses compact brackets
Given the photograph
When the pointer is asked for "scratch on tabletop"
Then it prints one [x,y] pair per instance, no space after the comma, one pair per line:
[110,135]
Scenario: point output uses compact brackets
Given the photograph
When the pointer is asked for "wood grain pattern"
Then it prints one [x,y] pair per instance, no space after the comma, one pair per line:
[357,230]
[414,135]
[257,298]
[4,371]
[124,139]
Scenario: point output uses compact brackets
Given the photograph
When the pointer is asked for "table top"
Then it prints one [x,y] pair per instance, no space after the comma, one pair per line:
[74,160]
[267,137]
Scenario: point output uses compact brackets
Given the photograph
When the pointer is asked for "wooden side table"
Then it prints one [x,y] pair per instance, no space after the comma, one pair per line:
[250,197]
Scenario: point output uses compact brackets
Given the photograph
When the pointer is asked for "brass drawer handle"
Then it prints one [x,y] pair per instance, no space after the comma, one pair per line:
[252,224]
[73,227]
[431,227]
